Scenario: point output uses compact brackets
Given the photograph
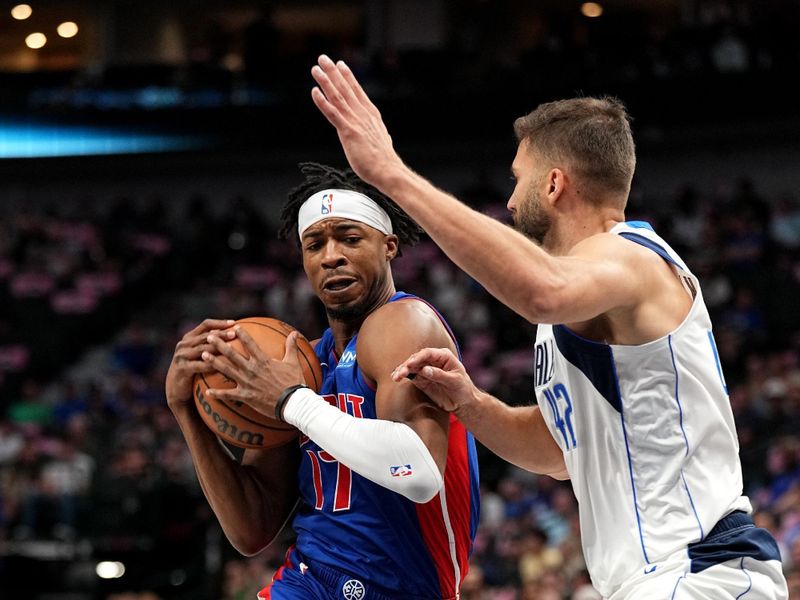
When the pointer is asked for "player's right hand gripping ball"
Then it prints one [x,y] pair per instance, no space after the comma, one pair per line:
[237,423]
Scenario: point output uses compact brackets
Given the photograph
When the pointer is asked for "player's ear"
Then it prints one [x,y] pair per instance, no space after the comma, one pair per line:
[556,182]
[391,244]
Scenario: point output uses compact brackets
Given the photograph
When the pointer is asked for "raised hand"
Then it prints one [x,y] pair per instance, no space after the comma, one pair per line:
[438,373]
[259,379]
[362,133]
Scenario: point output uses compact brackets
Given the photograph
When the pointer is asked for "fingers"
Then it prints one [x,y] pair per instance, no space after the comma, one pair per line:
[191,347]
[198,366]
[290,353]
[249,343]
[193,353]
[335,103]
[227,395]
[443,388]
[355,86]
[442,358]
[434,374]
[202,338]
[326,108]
[337,89]
[224,349]
[209,325]
[223,365]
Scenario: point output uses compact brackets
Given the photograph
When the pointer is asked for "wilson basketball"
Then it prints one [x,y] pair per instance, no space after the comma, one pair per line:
[237,423]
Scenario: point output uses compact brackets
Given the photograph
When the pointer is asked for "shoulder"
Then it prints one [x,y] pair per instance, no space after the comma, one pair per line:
[395,331]
[409,318]
[616,249]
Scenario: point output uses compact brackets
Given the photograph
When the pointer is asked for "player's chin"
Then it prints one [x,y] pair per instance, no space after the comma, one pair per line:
[344,307]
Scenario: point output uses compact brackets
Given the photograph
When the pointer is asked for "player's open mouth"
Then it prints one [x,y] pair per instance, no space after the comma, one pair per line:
[337,284]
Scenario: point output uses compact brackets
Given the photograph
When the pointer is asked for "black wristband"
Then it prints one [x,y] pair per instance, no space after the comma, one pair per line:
[285,394]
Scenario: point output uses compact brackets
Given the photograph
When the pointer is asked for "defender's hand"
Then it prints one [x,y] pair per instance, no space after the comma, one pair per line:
[362,133]
[438,373]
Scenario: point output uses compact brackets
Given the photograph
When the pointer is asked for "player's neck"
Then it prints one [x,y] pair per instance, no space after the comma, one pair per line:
[566,233]
[345,327]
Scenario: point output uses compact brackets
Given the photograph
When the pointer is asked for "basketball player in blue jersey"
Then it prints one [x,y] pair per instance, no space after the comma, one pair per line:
[632,403]
[388,481]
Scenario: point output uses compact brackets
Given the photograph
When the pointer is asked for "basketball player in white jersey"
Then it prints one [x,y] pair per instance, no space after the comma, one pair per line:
[632,403]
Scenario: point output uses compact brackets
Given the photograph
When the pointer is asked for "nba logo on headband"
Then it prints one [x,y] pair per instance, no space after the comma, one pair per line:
[350,204]
[327,204]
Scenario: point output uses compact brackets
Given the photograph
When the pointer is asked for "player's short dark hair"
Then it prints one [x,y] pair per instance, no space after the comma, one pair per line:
[320,177]
[592,136]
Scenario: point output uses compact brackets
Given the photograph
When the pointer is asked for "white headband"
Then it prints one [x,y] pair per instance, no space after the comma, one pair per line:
[345,204]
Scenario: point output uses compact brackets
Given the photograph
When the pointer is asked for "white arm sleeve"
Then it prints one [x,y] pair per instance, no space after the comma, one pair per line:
[385,452]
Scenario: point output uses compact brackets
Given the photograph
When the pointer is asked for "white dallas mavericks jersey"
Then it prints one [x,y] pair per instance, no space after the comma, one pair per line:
[647,433]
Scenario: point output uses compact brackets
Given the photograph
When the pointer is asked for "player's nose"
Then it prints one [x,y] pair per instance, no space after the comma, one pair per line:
[333,256]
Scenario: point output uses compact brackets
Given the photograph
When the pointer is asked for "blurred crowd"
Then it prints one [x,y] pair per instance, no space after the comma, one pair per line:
[92,454]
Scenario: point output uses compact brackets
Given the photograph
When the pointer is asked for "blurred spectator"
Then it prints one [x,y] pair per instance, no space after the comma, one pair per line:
[59,493]
[785,224]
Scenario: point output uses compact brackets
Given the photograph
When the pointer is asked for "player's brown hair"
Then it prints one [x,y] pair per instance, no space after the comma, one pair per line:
[590,137]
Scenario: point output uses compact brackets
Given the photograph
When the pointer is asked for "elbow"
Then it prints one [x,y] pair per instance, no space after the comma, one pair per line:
[423,491]
[247,551]
[543,307]
[250,545]
[545,300]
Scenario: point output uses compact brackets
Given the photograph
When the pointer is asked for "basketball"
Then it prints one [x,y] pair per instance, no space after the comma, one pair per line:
[237,423]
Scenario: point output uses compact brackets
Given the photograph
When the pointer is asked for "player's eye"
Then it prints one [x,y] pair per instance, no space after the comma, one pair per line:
[352,239]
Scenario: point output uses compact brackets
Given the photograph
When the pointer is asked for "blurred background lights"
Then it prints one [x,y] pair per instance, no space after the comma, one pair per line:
[67,29]
[591,9]
[35,40]
[110,569]
[21,12]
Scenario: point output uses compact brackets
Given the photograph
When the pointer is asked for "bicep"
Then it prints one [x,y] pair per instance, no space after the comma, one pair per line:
[599,276]
[591,288]
[411,326]
[403,403]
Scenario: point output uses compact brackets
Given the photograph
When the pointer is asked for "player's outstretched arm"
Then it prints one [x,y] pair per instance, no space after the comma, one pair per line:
[516,434]
[537,286]
[252,500]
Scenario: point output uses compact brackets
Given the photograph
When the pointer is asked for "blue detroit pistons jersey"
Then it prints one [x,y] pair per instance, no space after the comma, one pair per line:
[351,524]
[647,434]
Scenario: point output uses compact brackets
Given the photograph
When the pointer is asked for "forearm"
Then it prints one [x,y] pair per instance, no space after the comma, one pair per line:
[508,265]
[255,517]
[388,453]
[516,434]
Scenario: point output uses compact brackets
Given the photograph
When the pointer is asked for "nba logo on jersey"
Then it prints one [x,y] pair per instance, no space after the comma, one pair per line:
[327,204]
[401,471]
